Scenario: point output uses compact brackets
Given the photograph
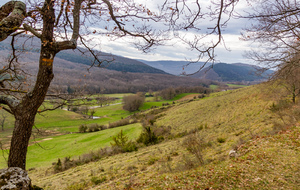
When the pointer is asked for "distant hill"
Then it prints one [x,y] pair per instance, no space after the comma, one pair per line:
[232,73]
[175,67]
[109,61]
[121,75]
[218,72]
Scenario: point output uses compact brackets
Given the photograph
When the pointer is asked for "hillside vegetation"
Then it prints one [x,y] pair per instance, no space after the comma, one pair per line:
[233,72]
[194,154]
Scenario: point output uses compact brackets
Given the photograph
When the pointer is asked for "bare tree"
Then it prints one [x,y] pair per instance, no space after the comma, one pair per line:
[288,75]
[275,27]
[133,102]
[277,31]
[62,25]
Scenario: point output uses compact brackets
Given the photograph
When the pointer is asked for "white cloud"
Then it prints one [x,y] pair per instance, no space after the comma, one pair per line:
[179,51]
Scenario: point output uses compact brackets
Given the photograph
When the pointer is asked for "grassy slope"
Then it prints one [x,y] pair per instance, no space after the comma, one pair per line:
[150,102]
[50,149]
[241,118]
[61,121]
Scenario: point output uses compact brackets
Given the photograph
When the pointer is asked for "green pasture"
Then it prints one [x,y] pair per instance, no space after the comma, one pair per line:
[64,122]
[213,86]
[149,104]
[50,149]
[68,121]
[236,85]
[121,95]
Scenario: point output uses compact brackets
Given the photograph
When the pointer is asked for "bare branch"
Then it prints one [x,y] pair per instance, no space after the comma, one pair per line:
[33,31]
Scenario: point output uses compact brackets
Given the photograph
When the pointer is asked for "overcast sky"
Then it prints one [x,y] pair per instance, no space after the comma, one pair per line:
[233,54]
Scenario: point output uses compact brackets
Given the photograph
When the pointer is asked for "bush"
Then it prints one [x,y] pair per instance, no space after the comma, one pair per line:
[121,142]
[92,128]
[147,137]
[97,181]
[82,128]
[168,93]
[153,134]
[195,145]
[133,102]
[58,166]
[74,109]
[119,123]
[221,140]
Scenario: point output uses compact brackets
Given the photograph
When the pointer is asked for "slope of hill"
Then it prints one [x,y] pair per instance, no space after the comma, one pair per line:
[219,72]
[109,61]
[100,80]
[232,72]
[195,154]
[174,67]
[118,75]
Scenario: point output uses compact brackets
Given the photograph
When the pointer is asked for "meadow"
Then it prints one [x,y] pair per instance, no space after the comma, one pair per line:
[244,120]
[56,132]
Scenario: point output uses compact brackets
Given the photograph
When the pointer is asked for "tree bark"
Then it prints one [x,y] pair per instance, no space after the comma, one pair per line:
[12,15]
[25,112]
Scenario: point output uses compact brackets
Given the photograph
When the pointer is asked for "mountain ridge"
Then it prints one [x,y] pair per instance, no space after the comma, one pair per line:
[224,72]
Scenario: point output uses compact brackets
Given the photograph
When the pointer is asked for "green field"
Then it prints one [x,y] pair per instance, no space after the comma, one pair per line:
[236,85]
[44,151]
[57,142]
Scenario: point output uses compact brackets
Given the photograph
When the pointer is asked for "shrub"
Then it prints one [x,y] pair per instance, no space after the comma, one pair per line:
[119,123]
[74,109]
[195,145]
[168,93]
[147,137]
[201,96]
[121,142]
[221,140]
[93,128]
[82,128]
[133,102]
[58,166]
[152,160]
[97,181]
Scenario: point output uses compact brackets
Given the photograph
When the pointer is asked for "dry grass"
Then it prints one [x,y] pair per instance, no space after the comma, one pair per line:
[239,119]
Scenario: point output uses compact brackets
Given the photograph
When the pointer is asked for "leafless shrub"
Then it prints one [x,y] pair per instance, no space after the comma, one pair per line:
[195,144]
[121,122]
[133,102]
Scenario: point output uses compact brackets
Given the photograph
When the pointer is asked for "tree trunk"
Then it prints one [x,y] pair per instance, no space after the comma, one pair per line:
[19,142]
[25,112]
[294,94]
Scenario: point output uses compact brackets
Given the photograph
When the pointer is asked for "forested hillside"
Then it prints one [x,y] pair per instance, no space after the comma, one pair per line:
[233,73]
[73,71]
